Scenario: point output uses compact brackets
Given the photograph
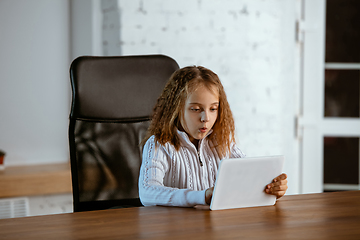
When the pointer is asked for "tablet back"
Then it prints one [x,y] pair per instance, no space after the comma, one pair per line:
[241,182]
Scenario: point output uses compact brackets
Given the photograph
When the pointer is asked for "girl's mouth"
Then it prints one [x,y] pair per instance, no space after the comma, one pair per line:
[203,130]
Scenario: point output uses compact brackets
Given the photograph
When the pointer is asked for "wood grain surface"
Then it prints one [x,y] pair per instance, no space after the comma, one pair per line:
[311,216]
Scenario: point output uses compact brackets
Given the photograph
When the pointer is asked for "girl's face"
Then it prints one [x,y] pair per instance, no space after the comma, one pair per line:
[200,113]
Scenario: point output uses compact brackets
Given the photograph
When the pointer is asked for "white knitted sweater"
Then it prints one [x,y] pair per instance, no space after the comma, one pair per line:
[176,178]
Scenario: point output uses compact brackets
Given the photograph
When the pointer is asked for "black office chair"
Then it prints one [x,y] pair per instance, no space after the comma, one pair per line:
[112,100]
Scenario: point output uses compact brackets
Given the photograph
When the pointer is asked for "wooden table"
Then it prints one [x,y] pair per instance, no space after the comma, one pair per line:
[310,216]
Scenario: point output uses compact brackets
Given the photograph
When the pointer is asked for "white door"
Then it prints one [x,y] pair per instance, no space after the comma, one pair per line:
[329,123]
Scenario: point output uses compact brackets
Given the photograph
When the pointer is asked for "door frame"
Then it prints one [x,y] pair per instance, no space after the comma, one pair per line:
[312,126]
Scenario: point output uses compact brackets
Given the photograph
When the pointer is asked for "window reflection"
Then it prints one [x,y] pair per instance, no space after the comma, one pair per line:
[342,31]
[341,160]
[342,93]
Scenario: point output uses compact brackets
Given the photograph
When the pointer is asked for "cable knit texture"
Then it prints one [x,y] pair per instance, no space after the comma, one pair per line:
[176,178]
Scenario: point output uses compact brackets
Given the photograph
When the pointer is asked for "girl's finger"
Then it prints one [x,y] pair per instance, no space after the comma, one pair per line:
[280,177]
[279,188]
[280,194]
[279,183]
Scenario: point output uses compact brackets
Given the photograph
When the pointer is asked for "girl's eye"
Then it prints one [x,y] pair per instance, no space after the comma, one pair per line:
[213,109]
[195,109]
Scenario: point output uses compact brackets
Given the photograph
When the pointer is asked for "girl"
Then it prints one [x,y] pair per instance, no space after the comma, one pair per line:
[191,131]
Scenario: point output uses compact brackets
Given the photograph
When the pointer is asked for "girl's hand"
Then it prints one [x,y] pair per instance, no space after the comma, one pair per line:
[208,195]
[278,186]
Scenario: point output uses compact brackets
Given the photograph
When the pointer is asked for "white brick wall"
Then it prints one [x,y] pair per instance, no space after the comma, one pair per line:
[250,44]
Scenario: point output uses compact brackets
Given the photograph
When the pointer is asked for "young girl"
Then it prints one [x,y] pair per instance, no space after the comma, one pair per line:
[192,130]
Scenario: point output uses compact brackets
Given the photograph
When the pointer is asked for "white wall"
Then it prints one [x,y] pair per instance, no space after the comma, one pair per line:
[249,43]
[86,28]
[34,81]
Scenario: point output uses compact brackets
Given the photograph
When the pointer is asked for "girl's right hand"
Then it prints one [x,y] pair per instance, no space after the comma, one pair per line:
[208,195]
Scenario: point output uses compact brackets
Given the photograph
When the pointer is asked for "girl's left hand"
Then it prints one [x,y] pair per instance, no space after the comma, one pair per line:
[278,186]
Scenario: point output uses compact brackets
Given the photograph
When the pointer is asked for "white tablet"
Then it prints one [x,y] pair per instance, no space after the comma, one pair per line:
[241,182]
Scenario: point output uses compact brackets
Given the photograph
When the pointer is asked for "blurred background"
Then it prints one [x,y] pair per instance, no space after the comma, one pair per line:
[290,68]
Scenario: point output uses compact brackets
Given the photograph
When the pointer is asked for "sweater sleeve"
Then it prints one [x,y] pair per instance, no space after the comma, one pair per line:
[236,152]
[152,191]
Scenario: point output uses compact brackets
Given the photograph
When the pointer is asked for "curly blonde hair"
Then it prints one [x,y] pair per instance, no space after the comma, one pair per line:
[169,109]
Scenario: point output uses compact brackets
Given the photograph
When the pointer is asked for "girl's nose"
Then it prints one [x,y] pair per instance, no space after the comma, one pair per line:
[204,116]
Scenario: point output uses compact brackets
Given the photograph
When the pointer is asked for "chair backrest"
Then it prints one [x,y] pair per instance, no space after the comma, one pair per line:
[112,100]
